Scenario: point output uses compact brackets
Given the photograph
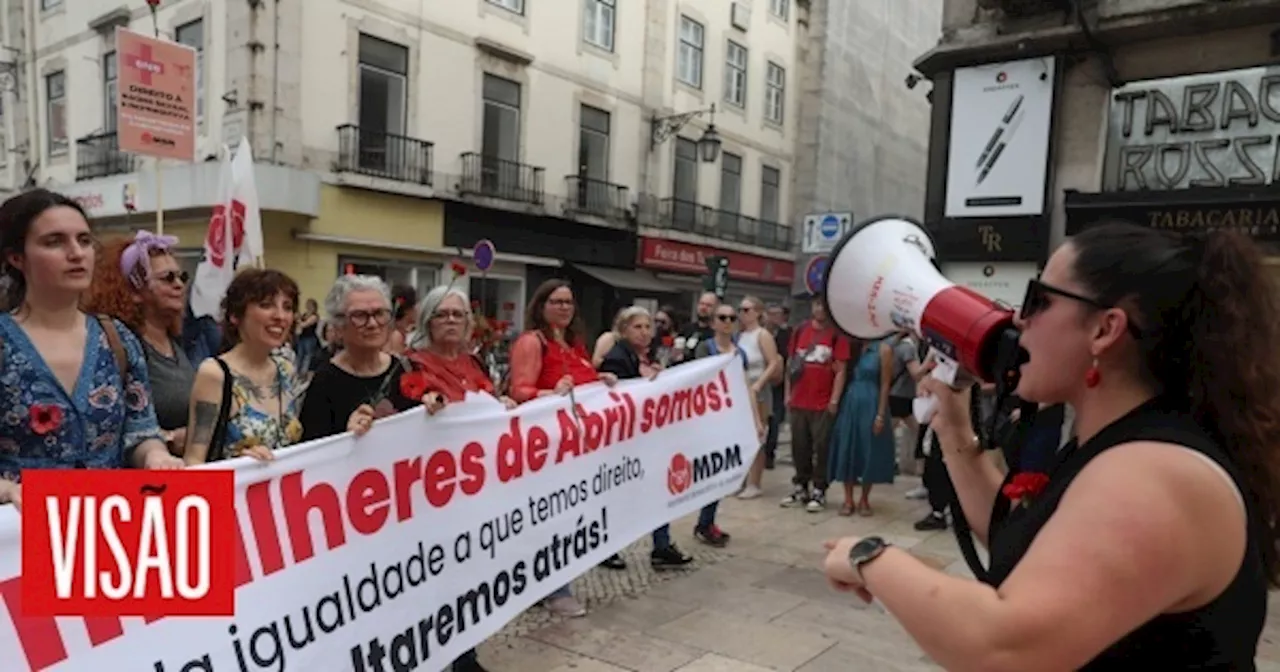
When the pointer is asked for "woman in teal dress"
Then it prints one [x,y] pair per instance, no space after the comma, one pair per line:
[862,439]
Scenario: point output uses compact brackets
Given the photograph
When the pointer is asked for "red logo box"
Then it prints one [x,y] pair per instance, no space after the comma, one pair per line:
[128,543]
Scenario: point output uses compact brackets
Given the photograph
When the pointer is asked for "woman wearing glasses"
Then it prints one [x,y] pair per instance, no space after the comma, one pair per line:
[1150,540]
[141,284]
[362,374]
[443,371]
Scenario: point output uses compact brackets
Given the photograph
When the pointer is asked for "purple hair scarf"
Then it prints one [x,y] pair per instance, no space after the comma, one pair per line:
[135,261]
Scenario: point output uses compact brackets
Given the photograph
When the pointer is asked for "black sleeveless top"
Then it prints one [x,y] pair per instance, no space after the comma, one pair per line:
[1223,634]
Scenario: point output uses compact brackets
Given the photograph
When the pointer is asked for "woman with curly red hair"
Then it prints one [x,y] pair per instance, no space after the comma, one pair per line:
[140,283]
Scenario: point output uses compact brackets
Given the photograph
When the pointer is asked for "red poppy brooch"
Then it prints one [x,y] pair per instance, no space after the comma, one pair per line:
[45,418]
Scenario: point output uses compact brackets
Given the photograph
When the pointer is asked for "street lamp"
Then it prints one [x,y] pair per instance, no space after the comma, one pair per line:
[708,145]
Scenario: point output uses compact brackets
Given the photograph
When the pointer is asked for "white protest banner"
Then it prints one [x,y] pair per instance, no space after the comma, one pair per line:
[406,547]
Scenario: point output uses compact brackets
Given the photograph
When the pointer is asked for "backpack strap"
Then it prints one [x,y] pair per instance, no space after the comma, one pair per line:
[217,449]
[117,346]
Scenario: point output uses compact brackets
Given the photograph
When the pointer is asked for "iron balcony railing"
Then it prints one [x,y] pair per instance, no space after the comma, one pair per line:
[590,196]
[100,156]
[682,215]
[501,178]
[386,155]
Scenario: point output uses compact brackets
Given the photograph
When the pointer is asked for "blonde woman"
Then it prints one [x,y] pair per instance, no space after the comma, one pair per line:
[764,368]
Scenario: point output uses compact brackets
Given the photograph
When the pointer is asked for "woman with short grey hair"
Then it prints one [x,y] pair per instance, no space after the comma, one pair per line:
[361,374]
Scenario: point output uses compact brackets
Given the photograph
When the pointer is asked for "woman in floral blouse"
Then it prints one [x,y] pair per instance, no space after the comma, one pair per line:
[75,388]
[259,381]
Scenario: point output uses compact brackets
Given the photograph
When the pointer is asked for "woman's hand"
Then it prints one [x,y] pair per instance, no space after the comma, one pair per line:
[258,452]
[433,402]
[951,413]
[158,458]
[508,402]
[877,426]
[361,420]
[609,379]
[11,493]
[564,385]
[762,432]
[840,573]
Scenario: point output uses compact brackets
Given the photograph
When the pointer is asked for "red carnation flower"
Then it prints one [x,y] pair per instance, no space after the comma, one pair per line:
[45,418]
[153,3]
[413,385]
[459,269]
[1025,486]
[668,341]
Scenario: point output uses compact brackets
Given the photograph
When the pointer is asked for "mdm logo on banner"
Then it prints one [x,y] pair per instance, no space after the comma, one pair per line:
[398,550]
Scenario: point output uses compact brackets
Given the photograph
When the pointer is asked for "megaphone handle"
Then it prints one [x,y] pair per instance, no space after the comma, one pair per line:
[945,370]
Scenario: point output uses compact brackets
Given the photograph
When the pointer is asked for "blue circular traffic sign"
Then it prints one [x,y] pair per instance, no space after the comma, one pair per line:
[815,274]
[483,253]
[830,227]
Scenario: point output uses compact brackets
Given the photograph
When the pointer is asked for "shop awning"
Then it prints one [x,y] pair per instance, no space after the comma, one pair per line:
[624,278]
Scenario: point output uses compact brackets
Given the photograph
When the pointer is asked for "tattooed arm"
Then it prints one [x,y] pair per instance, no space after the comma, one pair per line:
[202,419]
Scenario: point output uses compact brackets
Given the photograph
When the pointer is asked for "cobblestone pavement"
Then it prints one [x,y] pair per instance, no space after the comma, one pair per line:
[759,604]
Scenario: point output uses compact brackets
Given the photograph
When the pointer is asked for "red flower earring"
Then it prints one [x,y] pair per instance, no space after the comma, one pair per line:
[1093,376]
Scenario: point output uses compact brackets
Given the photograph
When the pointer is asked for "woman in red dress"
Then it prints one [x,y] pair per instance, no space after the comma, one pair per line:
[551,358]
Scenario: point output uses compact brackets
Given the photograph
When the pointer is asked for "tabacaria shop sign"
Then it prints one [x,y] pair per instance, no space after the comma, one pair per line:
[1216,129]
[678,257]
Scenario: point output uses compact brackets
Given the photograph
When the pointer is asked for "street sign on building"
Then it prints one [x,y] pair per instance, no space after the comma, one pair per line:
[823,230]
[815,274]
[717,278]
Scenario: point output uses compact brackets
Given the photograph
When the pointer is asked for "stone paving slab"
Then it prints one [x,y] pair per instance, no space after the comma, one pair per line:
[760,604]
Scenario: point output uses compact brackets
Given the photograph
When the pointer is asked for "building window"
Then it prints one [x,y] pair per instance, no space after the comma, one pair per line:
[770,194]
[516,6]
[55,91]
[50,4]
[735,75]
[689,56]
[779,8]
[384,78]
[501,119]
[593,144]
[192,35]
[109,92]
[685,185]
[730,191]
[775,92]
[598,22]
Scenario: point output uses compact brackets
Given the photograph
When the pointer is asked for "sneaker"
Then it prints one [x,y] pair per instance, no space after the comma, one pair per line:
[933,521]
[919,492]
[614,561]
[750,492]
[711,536]
[668,558]
[567,606]
[817,501]
[798,497]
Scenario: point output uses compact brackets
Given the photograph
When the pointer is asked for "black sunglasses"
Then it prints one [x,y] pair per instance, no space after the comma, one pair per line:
[173,277]
[1037,300]
[726,318]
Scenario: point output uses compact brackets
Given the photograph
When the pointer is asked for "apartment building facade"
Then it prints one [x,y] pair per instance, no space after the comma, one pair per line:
[617,143]
[1160,112]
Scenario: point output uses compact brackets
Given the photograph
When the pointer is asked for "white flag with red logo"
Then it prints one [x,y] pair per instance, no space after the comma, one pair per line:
[235,232]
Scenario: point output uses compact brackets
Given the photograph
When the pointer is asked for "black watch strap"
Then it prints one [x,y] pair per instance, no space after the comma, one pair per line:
[866,550]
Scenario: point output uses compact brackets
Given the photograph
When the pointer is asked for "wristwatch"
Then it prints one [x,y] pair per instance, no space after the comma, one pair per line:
[866,550]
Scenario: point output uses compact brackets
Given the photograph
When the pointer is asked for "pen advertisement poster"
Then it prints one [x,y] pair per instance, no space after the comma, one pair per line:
[998,158]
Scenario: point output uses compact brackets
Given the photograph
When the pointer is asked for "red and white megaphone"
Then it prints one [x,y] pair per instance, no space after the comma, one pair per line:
[882,278]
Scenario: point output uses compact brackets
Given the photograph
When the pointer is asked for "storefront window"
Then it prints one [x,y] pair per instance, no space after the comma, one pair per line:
[419,276]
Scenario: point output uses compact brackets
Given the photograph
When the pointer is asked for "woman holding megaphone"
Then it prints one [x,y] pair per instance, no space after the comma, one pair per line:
[1150,539]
